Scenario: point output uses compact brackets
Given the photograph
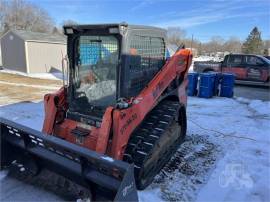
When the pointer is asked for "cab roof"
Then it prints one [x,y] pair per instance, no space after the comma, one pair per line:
[114,25]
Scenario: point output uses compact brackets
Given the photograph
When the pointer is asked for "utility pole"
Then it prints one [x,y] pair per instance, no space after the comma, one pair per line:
[191,42]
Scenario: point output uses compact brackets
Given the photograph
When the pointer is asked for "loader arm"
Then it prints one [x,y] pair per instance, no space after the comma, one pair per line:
[131,117]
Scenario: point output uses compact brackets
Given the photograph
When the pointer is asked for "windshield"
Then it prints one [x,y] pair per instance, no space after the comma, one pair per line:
[267,60]
[95,69]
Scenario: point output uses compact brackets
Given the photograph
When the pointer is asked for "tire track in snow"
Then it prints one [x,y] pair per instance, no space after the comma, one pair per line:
[188,169]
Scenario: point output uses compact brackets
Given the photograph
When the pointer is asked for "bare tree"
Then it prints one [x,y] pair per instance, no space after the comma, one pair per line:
[20,14]
[191,42]
[176,35]
[214,45]
[3,7]
[69,22]
[232,45]
[65,23]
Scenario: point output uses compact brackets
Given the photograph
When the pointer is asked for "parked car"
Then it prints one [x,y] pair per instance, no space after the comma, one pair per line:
[248,69]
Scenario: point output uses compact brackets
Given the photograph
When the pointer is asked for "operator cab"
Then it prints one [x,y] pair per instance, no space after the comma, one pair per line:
[95,65]
[108,62]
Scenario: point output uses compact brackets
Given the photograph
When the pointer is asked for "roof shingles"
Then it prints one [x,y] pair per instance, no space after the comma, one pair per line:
[41,37]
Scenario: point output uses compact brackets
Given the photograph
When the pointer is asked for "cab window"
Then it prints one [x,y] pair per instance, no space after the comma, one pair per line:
[253,60]
[235,60]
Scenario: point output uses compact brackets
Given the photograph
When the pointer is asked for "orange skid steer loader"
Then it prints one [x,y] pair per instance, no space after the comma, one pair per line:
[118,119]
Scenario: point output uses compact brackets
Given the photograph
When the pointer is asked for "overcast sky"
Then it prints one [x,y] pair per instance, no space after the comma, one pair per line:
[202,18]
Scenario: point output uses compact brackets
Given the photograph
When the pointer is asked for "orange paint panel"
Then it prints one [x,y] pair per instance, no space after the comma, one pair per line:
[51,109]
[104,131]
[64,129]
[97,139]
[239,72]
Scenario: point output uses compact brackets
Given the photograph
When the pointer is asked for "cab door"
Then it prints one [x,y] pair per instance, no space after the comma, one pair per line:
[236,66]
[256,69]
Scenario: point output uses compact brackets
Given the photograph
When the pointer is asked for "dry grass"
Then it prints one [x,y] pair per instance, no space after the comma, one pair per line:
[14,78]
[10,93]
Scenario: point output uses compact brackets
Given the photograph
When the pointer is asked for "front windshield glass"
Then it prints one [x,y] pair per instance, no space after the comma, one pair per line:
[267,60]
[95,69]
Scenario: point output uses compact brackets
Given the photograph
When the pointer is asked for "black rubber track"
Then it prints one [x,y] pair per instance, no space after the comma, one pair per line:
[155,141]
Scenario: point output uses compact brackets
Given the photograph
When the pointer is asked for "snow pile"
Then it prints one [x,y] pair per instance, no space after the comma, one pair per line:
[260,107]
[243,100]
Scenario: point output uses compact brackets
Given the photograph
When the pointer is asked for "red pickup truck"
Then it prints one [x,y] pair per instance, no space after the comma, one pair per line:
[248,69]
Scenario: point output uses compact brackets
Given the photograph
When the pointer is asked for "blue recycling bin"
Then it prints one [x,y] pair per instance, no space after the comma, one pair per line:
[206,85]
[227,84]
[192,83]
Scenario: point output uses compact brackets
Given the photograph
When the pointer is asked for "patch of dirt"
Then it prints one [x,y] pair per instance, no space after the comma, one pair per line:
[188,169]
[14,93]
[15,78]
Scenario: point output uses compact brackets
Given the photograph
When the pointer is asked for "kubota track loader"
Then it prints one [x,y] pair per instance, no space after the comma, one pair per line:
[117,121]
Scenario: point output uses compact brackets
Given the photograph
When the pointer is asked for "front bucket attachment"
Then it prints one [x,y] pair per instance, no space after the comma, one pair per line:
[108,179]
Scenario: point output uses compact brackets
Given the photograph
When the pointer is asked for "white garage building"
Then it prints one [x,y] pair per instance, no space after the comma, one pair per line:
[32,52]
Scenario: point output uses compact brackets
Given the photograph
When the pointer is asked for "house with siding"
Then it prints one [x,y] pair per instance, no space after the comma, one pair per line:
[32,52]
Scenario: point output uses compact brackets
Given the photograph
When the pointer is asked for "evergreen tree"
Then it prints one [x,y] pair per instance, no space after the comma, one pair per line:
[253,43]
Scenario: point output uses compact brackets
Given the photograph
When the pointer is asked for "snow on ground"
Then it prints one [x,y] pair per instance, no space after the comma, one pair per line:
[15,190]
[25,113]
[242,174]
[54,75]
[225,156]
